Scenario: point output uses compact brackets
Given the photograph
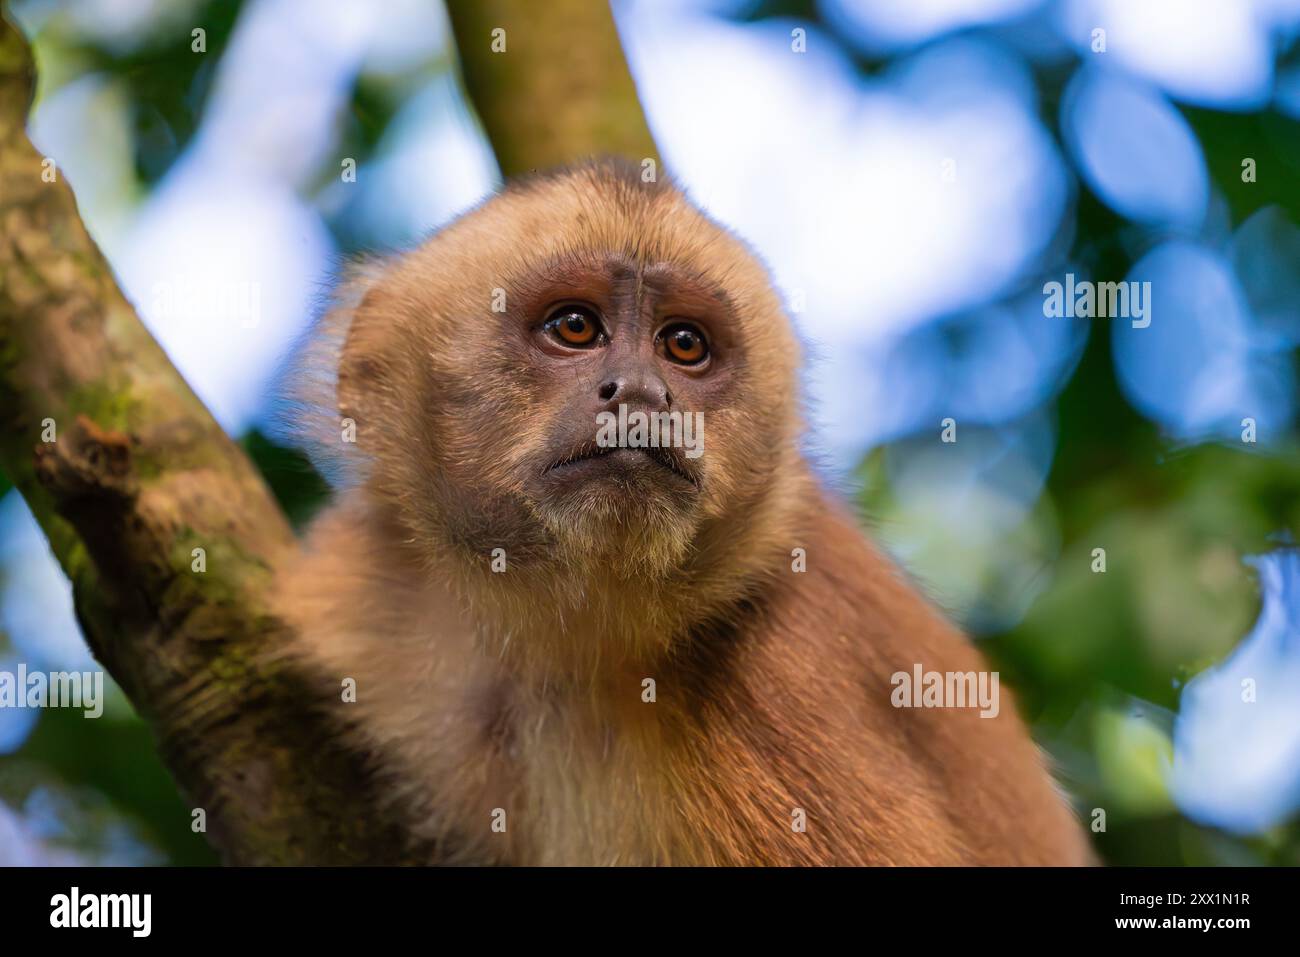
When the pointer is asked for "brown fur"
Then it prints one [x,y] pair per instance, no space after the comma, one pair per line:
[522,690]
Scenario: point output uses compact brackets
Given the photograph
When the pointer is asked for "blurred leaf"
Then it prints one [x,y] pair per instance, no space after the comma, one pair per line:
[119,760]
[1135,757]
[296,485]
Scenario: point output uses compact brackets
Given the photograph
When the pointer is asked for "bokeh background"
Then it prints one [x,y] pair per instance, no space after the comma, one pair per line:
[913,176]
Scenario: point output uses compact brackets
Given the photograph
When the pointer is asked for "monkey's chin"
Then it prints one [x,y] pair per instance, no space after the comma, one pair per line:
[626,522]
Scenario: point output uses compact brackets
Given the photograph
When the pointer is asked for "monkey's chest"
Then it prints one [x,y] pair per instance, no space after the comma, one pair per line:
[595,793]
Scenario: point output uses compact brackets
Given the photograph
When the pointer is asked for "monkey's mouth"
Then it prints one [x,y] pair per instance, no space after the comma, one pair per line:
[592,456]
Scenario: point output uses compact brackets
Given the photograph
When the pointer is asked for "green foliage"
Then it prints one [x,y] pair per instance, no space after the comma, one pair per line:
[115,757]
[1175,522]
[294,483]
[166,83]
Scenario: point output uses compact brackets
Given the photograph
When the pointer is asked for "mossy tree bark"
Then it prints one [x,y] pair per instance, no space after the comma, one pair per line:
[128,475]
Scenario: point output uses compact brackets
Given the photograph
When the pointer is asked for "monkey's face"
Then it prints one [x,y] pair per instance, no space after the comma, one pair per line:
[591,369]
[628,362]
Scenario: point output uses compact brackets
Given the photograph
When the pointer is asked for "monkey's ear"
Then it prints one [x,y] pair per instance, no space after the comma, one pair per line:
[360,370]
[331,383]
[361,339]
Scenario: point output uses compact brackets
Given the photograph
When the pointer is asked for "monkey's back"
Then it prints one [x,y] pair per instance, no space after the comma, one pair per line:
[804,732]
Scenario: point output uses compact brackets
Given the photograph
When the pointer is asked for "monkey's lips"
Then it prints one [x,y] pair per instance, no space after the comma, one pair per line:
[592,460]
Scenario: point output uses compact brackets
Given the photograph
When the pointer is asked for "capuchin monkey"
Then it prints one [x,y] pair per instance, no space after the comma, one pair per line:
[561,650]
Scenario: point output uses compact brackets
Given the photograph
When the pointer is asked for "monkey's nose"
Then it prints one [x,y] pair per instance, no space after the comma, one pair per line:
[646,390]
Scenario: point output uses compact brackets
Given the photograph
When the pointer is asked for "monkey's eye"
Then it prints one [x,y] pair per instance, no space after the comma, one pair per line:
[684,344]
[574,326]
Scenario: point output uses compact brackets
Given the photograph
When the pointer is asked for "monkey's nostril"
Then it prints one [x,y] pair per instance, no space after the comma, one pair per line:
[637,389]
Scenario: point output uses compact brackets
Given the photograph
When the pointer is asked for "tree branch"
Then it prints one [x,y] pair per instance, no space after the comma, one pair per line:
[560,90]
[128,475]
